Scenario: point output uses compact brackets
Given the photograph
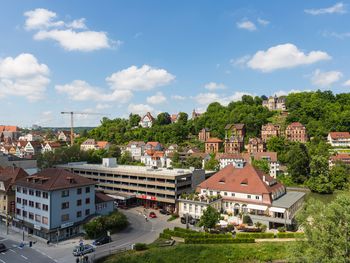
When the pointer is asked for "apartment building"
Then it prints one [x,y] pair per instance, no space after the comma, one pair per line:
[270,130]
[339,139]
[296,132]
[255,145]
[244,189]
[213,145]
[275,103]
[159,187]
[54,203]
[234,138]
[204,134]
[136,148]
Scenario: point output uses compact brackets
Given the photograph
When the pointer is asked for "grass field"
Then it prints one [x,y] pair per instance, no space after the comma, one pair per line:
[257,252]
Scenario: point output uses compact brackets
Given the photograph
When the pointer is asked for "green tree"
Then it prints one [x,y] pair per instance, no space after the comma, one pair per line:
[195,162]
[125,158]
[340,175]
[320,180]
[262,165]
[163,118]
[182,118]
[212,164]
[298,163]
[210,218]
[114,151]
[327,231]
[134,120]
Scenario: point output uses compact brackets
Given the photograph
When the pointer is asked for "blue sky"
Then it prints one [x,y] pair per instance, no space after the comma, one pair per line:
[117,57]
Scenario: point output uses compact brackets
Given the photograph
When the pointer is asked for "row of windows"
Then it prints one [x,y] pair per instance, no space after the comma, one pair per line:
[65,205]
[65,193]
[38,218]
[65,217]
[30,203]
[232,194]
[32,192]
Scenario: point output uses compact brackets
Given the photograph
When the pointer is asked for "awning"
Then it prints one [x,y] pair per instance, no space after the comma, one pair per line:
[257,207]
[277,209]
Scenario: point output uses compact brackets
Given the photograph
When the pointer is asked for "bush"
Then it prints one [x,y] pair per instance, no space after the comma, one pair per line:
[247,219]
[173,217]
[281,229]
[217,240]
[140,246]
[243,235]
[290,235]
[165,236]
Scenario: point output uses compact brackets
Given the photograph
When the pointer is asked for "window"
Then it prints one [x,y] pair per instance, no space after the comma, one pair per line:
[87,190]
[45,195]
[249,196]
[65,205]
[25,202]
[79,202]
[31,203]
[257,197]
[18,211]
[225,193]
[87,201]
[24,190]
[185,206]
[31,216]
[65,193]
[24,213]
[45,220]
[233,194]
[211,193]
[37,193]
[79,191]
[79,214]
[37,205]
[19,200]
[18,189]
[87,212]
[38,218]
[31,192]
[45,207]
[65,217]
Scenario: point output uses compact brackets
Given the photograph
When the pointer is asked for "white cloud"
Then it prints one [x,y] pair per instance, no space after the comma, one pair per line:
[284,92]
[338,8]
[158,98]
[336,35]
[284,56]
[66,33]
[101,106]
[240,62]
[214,86]
[324,79]
[207,98]
[178,97]
[143,78]
[80,41]
[247,25]
[80,90]
[347,83]
[263,22]
[23,76]
[140,109]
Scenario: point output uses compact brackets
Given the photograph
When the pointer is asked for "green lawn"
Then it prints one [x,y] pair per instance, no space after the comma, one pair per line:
[257,252]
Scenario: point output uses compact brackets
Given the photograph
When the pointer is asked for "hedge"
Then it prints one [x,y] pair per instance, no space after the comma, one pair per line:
[140,246]
[165,236]
[290,235]
[241,235]
[217,240]
[183,233]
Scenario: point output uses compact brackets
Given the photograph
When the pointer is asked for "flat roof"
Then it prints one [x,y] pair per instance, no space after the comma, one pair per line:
[129,169]
[287,200]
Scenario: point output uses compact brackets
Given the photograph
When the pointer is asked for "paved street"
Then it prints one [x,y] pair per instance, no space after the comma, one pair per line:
[16,254]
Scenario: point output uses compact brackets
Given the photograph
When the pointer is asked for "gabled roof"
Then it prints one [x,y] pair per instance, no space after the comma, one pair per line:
[137,143]
[255,141]
[229,156]
[295,125]
[149,115]
[9,175]
[35,144]
[270,126]
[102,144]
[89,142]
[54,179]
[241,180]
[8,128]
[213,140]
[339,135]
[54,144]
[67,133]
[238,126]
[153,144]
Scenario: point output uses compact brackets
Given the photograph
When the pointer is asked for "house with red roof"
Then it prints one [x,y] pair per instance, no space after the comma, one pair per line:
[147,120]
[245,189]
[339,157]
[155,158]
[339,139]
[50,147]
[213,145]
[296,132]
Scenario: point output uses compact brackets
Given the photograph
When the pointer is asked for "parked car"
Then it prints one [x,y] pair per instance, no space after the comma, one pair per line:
[2,247]
[164,212]
[152,215]
[83,250]
[102,240]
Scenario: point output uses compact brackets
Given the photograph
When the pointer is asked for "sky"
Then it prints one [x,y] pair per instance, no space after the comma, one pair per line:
[117,57]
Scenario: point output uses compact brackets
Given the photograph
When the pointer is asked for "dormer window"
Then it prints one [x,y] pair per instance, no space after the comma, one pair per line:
[244,182]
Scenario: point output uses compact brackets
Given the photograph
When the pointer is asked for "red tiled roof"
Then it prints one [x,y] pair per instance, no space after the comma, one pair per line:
[9,128]
[295,125]
[261,155]
[153,144]
[341,157]
[230,156]
[340,135]
[149,115]
[54,144]
[214,140]
[9,175]
[137,143]
[54,179]
[102,144]
[242,180]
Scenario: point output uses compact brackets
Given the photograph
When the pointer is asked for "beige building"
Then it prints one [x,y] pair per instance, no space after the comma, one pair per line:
[8,176]
[255,145]
[296,132]
[204,135]
[270,130]
[275,103]
[157,188]
[213,145]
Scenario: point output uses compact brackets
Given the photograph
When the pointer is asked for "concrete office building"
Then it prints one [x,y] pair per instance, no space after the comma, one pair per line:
[150,187]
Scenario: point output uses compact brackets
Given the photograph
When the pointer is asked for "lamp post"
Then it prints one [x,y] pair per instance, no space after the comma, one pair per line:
[22,222]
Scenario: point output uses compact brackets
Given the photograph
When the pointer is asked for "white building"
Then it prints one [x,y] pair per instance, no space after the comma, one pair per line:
[147,120]
[339,139]
[154,159]
[136,149]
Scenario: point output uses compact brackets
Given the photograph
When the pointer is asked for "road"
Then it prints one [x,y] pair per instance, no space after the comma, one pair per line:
[16,254]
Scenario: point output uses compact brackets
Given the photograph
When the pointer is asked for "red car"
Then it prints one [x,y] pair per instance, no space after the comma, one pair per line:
[152,215]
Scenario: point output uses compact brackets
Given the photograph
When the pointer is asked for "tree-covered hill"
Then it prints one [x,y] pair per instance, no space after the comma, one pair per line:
[319,111]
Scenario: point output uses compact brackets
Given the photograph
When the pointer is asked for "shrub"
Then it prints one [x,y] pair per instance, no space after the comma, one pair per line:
[173,217]
[243,235]
[290,235]
[165,236]
[217,240]
[281,229]
[247,219]
[140,246]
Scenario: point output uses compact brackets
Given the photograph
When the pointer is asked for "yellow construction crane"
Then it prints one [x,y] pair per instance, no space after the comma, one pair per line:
[72,113]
